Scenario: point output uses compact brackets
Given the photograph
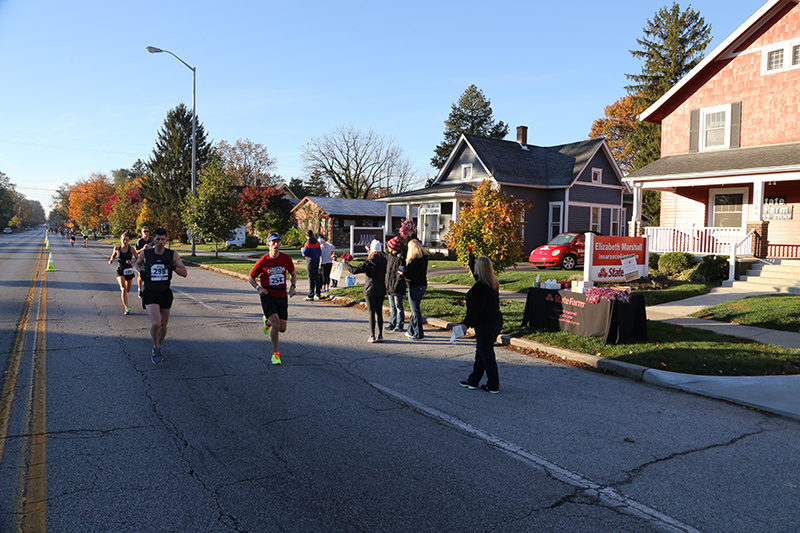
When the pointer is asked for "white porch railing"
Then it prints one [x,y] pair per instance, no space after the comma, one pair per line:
[737,250]
[698,241]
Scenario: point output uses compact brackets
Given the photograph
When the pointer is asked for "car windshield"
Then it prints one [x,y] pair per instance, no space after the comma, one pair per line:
[564,238]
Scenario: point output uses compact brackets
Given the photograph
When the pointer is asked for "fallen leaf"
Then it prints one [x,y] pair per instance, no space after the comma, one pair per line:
[628,439]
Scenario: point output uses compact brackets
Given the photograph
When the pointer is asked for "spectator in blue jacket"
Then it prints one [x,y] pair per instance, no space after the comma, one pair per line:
[312,252]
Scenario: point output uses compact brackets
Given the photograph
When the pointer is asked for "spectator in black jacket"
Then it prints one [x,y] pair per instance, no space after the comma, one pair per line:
[484,316]
[395,285]
[374,288]
[416,275]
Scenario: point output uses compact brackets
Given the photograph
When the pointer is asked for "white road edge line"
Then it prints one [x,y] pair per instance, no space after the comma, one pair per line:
[192,298]
[608,495]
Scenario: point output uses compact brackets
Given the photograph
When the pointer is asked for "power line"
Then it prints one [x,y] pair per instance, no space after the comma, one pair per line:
[69,148]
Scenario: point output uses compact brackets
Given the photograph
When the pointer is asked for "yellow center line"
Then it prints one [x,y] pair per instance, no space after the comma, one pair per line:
[36,497]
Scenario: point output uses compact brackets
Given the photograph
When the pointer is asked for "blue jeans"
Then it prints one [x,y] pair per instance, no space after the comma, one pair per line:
[415,295]
[397,315]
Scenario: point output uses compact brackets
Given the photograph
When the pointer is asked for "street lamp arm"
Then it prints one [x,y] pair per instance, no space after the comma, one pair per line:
[154,50]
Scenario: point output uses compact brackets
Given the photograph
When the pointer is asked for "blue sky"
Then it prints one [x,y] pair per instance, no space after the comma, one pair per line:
[80,93]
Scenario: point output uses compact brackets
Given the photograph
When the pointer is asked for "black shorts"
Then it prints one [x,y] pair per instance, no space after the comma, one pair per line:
[271,305]
[162,298]
[128,277]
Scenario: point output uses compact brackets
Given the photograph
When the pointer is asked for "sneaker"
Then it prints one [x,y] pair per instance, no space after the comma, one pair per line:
[409,335]
[487,389]
[467,385]
[156,356]
[371,339]
[309,298]
[389,327]
[379,339]
[276,358]
[318,297]
[400,329]
[267,325]
[140,294]
[127,310]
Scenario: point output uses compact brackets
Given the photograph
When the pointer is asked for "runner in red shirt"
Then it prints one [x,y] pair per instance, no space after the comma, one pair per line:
[271,285]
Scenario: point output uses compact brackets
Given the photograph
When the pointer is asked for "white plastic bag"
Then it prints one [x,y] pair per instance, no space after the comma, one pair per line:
[457,331]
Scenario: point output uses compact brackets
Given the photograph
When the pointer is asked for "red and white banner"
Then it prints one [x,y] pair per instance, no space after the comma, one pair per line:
[615,258]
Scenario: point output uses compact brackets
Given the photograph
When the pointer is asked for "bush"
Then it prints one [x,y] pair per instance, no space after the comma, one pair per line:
[251,241]
[293,237]
[711,268]
[436,255]
[652,261]
[675,263]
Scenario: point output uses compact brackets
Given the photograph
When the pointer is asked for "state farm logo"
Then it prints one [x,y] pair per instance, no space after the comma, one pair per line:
[611,273]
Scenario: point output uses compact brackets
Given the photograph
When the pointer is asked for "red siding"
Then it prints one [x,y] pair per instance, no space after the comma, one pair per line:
[770,103]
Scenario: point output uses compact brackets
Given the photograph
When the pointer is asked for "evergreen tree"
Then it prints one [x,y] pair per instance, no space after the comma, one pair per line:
[674,43]
[471,114]
[169,178]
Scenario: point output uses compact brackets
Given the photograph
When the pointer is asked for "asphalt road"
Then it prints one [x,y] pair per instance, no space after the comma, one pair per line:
[345,435]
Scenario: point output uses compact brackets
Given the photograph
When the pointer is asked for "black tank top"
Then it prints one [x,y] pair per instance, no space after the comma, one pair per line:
[124,259]
[157,269]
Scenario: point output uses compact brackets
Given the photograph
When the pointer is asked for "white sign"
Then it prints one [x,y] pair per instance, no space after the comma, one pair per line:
[430,209]
[237,236]
[336,273]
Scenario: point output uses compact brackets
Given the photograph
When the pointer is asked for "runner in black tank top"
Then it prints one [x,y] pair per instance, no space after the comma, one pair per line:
[125,255]
[156,266]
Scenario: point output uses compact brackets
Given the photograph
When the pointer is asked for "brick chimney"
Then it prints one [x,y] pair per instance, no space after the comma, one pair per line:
[522,135]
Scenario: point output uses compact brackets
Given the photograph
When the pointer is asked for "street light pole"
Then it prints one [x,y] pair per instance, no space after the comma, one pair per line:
[154,50]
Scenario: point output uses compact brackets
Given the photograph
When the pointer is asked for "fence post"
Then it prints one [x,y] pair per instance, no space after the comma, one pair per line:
[732,263]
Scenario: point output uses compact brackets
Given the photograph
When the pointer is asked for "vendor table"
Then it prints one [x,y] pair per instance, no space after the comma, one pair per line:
[616,322]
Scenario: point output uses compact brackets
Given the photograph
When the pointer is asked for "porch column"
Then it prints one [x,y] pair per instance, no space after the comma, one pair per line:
[635,229]
[760,237]
[758,201]
[387,221]
[455,211]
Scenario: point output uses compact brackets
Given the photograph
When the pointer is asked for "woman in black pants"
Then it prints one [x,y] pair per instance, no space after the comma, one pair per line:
[484,316]
[374,288]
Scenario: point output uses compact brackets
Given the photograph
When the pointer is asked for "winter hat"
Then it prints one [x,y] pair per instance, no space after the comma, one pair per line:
[394,244]
[375,246]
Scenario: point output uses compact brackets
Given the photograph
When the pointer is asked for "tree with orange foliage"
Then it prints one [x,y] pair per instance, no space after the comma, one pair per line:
[619,123]
[492,224]
[87,200]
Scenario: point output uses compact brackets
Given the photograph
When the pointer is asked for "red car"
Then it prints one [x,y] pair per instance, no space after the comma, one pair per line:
[565,250]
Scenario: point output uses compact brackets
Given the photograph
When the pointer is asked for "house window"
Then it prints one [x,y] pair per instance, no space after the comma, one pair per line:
[796,55]
[615,223]
[597,175]
[775,60]
[466,172]
[556,219]
[715,127]
[595,220]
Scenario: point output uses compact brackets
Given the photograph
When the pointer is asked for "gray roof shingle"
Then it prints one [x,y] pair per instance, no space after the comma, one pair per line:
[722,161]
[354,207]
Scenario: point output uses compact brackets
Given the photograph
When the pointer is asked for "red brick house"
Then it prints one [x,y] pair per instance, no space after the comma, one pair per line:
[730,145]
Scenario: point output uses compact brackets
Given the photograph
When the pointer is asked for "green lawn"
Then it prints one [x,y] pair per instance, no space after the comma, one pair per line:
[775,311]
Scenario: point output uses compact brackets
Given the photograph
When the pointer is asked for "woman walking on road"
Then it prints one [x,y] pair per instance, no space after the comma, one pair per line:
[374,288]
[416,275]
[125,254]
[484,316]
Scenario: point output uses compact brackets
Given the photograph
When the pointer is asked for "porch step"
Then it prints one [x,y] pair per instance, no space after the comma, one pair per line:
[778,275]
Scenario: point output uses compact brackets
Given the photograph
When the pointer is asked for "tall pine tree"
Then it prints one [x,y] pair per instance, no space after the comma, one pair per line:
[674,43]
[169,179]
[471,114]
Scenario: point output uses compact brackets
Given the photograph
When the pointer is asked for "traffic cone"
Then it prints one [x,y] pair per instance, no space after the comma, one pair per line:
[50,266]
[46,244]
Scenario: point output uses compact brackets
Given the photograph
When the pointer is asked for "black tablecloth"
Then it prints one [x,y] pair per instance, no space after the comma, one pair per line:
[614,321]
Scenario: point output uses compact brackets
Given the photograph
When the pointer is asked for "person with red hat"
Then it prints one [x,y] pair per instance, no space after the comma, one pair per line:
[395,284]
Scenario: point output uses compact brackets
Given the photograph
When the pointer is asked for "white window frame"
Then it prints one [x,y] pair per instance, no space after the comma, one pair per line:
[465,175]
[599,226]
[551,222]
[597,175]
[615,221]
[788,56]
[744,191]
[727,139]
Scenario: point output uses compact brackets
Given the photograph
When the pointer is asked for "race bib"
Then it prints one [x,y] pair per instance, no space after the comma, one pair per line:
[128,272]
[159,273]
[277,280]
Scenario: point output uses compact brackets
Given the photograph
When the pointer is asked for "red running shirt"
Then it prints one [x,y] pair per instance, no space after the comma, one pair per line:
[274,273]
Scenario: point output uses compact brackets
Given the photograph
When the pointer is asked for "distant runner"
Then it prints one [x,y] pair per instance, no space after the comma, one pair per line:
[272,270]
[85,234]
[156,266]
[144,242]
